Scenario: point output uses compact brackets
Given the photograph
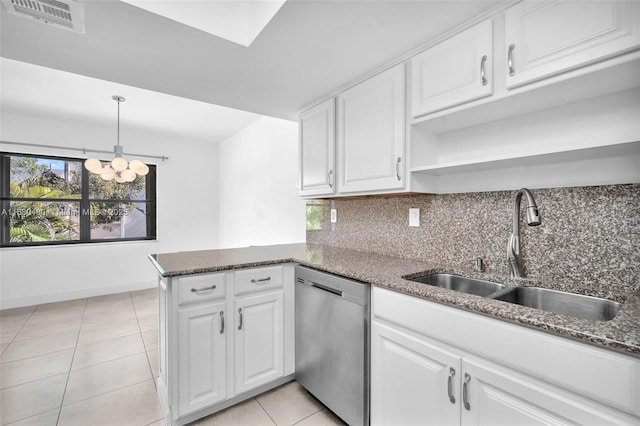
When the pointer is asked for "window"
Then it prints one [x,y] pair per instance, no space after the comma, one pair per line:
[316,214]
[47,200]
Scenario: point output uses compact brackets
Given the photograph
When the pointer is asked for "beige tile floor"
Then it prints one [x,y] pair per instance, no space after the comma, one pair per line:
[93,362]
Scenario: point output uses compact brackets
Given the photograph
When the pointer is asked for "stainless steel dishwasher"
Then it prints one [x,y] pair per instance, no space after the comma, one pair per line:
[332,342]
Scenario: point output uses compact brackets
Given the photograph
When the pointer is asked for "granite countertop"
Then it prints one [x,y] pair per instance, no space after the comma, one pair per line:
[620,334]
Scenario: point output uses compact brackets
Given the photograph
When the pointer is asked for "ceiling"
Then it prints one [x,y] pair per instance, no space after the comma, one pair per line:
[236,21]
[307,50]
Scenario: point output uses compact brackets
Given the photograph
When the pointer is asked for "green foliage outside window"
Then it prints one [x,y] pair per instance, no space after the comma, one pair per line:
[47,200]
[315,215]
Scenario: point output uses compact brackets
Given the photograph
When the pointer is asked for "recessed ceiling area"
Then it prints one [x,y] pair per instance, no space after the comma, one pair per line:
[233,20]
[309,49]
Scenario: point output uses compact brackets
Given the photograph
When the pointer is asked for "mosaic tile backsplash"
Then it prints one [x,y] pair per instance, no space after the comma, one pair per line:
[589,235]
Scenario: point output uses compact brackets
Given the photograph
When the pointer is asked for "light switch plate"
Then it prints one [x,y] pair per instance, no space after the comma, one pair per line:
[414,217]
[334,215]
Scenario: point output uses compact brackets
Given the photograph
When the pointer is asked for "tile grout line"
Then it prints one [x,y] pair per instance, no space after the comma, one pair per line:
[64,392]
[153,379]
[144,344]
[106,393]
[18,332]
[265,410]
[310,415]
[127,356]
[39,378]
[74,348]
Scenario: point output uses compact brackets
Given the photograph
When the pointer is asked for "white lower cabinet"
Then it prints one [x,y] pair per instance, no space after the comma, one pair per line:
[259,344]
[435,365]
[223,337]
[202,348]
[499,396]
[409,380]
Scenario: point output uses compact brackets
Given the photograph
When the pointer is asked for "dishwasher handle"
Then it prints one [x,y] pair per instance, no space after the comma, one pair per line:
[324,288]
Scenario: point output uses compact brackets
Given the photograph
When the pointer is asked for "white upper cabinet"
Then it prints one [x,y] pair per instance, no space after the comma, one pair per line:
[543,91]
[317,150]
[455,71]
[371,134]
[544,38]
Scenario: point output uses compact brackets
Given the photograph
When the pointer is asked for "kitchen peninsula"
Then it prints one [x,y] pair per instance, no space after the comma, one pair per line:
[622,333]
[616,341]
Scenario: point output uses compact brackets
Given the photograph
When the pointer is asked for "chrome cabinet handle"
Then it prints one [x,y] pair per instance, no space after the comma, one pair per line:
[221,322]
[465,392]
[482,70]
[260,280]
[329,175]
[240,324]
[452,373]
[512,70]
[398,168]
[198,290]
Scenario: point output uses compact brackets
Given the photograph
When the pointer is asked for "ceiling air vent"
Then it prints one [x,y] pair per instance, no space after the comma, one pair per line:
[68,14]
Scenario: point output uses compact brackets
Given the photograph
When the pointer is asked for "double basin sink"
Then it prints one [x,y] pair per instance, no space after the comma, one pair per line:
[559,302]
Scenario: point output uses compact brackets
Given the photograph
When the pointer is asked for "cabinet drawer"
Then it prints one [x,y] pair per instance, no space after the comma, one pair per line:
[201,288]
[260,279]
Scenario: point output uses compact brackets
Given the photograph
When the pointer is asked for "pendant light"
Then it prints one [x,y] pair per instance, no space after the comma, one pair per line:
[117,169]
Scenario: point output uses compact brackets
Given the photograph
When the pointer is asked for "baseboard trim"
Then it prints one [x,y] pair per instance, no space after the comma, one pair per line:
[75,294]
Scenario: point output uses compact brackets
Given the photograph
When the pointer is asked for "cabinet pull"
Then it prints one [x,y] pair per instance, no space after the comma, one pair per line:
[329,175]
[465,392]
[482,70]
[240,323]
[452,373]
[512,70]
[198,290]
[221,322]
[260,280]
[398,168]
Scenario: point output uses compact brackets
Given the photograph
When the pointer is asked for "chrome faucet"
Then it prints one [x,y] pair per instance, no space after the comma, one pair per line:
[514,256]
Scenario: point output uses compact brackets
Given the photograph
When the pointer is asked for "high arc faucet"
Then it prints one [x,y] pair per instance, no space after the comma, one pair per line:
[514,255]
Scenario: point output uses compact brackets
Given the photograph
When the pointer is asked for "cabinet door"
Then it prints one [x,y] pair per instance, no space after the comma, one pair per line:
[455,71]
[371,134]
[259,344]
[201,357]
[410,382]
[497,396]
[317,149]
[547,37]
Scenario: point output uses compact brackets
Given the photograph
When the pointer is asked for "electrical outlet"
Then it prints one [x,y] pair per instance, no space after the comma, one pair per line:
[414,217]
[334,215]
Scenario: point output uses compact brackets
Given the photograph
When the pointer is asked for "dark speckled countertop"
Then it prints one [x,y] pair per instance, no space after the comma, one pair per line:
[621,334]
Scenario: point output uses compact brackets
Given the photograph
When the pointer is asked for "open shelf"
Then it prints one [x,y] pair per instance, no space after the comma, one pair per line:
[551,157]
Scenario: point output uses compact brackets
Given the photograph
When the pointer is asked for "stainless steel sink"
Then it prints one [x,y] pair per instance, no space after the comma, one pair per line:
[576,305]
[458,283]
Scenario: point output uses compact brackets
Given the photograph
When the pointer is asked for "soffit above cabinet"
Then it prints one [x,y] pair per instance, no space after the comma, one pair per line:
[308,49]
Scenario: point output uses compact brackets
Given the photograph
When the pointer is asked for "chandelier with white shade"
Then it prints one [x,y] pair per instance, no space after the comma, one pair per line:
[118,169]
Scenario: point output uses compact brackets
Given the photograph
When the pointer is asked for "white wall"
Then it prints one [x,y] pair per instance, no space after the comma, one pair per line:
[187,217]
[259,204]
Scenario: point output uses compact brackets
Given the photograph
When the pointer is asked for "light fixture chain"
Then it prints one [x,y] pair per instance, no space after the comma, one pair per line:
[119,168]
